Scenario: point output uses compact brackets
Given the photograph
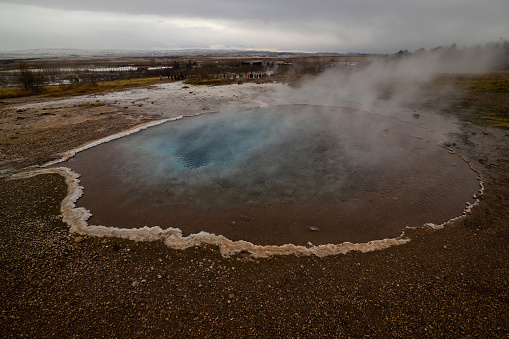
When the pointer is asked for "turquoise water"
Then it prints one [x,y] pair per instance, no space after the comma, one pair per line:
[211,141]
[247,150]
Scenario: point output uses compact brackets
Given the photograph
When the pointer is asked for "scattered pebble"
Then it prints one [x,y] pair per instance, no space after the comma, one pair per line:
[91,282]
[78,239]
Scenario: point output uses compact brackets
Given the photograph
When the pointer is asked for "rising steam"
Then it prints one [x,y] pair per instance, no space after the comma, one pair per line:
[404,77]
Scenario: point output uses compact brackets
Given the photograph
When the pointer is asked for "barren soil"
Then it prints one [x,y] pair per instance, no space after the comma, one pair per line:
[448,283]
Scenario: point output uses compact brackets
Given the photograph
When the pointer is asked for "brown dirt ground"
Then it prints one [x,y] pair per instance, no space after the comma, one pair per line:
[448,283]
[33,136]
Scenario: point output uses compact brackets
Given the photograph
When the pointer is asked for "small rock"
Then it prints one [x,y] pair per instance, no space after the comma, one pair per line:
[233,223]
[78,239]
[287,193]
[231,295]
[314,228]
[244,217]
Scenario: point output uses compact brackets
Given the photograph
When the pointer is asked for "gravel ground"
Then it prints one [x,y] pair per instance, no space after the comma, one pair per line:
[448,283]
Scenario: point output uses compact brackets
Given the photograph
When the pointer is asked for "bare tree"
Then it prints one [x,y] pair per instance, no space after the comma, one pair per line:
[30,80]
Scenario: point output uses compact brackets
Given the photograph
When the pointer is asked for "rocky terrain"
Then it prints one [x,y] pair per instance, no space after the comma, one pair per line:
[446,283]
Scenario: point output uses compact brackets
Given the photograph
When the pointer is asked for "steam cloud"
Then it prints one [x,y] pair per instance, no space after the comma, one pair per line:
[403,78]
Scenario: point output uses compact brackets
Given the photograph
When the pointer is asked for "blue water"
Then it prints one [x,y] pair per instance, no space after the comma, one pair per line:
[261,154]
[210,141]
[354,175]
[242,149]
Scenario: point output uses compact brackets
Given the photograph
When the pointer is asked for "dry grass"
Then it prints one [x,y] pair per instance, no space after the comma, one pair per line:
[221,81]
[210,82]
[485,100]
[80,89]
[494,82]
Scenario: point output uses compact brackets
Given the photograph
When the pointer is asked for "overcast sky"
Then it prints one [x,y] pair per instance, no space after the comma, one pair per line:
[382,26]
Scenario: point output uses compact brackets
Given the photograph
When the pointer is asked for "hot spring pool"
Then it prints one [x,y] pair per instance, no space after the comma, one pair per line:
[289,174]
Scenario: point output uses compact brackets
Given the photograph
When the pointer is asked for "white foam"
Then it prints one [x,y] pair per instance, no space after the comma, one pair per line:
[69,154]
[76,217]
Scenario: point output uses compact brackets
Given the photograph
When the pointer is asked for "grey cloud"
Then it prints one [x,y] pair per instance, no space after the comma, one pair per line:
[328,25]
[349,10]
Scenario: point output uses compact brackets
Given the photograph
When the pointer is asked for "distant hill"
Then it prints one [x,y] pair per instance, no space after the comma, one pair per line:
[97,53]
